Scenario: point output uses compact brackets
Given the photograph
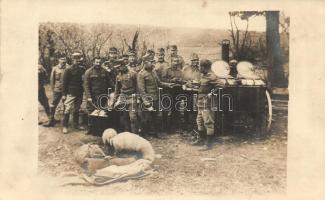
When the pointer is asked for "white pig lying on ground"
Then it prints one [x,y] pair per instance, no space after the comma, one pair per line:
[127,141]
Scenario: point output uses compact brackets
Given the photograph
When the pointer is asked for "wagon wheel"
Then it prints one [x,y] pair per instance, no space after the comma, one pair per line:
[267,115]
[269,106]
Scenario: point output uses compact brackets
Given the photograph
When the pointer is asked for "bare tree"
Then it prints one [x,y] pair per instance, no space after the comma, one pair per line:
[240,39]
[273,50]
[71,37]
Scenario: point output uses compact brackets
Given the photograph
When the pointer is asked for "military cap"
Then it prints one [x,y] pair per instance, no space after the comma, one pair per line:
[173,47]
[205,63]
[131,53]
[76,55]
[194,56]
[148,57]
[150,51]
[118,62]
[233,61]
[161,50]
[112,50]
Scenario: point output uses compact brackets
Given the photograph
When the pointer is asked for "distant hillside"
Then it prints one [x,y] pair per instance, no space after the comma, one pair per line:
[187,37]
[205,42]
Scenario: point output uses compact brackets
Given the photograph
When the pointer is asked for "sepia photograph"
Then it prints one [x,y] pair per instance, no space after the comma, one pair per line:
[157,110]
[186,99]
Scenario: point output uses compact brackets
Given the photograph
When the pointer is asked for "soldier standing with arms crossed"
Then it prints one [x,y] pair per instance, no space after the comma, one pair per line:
[72,91]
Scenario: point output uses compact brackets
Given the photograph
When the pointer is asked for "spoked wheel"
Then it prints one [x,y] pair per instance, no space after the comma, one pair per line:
[266,120]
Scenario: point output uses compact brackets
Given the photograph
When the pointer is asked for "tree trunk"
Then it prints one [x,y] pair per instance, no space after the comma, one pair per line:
[274,53]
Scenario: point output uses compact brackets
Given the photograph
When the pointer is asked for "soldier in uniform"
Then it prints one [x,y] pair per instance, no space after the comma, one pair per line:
[151,54]
[72,91]
[96,84]
[42,98]
[133,64]
[136,67]
[56,81]
[148,83]
[125,99]
[173,53]
[191,73]
[161,68]
[206,116]
[174,75]
[109,65]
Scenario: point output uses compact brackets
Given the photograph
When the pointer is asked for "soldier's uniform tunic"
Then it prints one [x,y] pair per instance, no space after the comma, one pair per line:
[56,81]
[137,67]
[170,76]
[161,68]
[134,67]
[148,83]
[96,85]
[73,90]
[206,116]
[110,67]
[125,93]
[180,58]
[191,73]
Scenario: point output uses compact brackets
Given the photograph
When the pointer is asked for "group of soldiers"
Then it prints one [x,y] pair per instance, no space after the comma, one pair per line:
[138,86]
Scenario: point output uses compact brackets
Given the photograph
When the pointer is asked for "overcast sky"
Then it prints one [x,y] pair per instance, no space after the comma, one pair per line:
[165,13]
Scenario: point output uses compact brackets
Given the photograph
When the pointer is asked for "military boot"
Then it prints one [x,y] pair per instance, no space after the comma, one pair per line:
[168,124]
[47,111]
[65,123]
[208,144]
[89,127]
[159,130]
[51,122]
[200,139]
[76,121]
[83,118]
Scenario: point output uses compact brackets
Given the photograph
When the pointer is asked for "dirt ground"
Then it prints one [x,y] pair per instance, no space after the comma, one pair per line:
[241,163]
